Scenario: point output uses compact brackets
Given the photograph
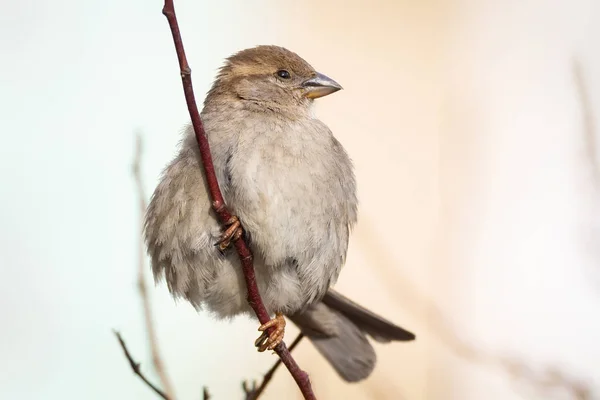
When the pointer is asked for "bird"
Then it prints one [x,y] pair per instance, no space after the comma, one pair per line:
[291,187]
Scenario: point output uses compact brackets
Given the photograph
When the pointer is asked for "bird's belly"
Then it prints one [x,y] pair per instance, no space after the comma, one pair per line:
[285,211]
[289,195]
[280,289]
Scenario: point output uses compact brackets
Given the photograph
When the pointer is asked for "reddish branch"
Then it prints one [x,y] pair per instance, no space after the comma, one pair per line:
[223,213]
[254,392]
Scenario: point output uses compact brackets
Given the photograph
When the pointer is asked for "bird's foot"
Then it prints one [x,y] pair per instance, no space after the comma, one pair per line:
[268,341]
[231,234]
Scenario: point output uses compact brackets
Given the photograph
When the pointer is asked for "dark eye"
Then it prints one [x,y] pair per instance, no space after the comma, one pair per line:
[282,73]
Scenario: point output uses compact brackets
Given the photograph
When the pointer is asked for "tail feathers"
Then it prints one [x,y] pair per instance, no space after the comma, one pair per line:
[338,328]
[375,326]
[339,340]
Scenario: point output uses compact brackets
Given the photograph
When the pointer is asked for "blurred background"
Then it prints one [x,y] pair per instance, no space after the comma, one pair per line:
[473,126]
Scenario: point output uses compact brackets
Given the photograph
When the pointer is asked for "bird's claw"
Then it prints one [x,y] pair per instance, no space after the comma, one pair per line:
[231,234]
[268,341]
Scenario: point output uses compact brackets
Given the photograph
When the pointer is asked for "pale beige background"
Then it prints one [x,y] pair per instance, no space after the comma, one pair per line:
[473,127]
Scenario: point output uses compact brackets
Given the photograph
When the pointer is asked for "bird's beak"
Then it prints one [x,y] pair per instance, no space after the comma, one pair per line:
[320,86]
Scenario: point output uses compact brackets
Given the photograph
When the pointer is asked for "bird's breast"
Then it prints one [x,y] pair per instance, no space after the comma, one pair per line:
[285,188]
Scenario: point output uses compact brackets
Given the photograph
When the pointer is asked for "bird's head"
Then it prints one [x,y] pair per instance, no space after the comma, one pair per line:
[270,77]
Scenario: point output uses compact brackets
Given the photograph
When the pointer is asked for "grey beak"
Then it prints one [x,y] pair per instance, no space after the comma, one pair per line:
[320,86]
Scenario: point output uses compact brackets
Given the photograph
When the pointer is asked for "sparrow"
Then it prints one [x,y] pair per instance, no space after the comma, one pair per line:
[290,184]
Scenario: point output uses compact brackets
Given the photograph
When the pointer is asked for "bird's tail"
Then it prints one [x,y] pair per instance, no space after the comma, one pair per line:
[338,328]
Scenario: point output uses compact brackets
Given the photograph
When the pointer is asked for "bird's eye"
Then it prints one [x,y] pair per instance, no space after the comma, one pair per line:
[282,73]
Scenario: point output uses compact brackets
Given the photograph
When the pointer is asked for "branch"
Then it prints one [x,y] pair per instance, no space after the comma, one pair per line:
[157,360]
[254,392]
[589,124]
[135,366]
[218,204]
[542,380]
[141,282]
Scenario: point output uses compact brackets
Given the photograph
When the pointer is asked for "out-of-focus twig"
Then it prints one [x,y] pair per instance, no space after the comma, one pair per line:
[153,342]
[548,382]
[159,367]
[544,381]
[590,142]
[589,124]
[253,392]
[135,366]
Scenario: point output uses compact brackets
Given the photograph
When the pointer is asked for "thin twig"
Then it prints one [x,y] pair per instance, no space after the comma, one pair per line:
[135,366]
[589,124]
[254,392]
[218,204]
[535,378]
[141,282]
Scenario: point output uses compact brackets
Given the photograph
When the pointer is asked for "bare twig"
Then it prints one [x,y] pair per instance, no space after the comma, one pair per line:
[241,246]
[589,124]
[543,381]
[547,382]
[135,366]
[253,393]
[153,342]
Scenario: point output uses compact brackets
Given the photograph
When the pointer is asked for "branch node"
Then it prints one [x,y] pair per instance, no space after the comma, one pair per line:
[186,72]
[135,366]
[218,206]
